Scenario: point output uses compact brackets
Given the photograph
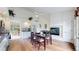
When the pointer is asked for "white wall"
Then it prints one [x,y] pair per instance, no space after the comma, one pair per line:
[42,19]
[64,20]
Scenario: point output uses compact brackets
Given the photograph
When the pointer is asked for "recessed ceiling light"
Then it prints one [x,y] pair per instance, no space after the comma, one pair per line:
[36,16]
[25,23]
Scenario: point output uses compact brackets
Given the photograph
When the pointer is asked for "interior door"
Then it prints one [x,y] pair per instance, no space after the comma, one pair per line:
[76,34]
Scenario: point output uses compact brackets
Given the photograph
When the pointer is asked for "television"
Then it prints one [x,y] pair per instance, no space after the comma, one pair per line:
[55,31]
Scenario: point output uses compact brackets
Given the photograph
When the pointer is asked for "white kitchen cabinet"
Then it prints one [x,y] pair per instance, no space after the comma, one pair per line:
[25,35]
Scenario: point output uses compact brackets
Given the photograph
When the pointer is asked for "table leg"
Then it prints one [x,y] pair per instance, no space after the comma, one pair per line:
[44,44]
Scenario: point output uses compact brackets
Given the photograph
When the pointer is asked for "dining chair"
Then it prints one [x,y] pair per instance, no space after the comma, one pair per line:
[38,41]
[48,39]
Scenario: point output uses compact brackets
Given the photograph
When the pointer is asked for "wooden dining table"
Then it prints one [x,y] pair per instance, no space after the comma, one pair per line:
[42,37]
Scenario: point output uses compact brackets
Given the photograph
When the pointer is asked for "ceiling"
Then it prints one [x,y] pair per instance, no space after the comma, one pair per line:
[50,10]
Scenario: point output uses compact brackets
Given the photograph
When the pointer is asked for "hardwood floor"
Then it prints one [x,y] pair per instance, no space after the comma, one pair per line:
[23,45]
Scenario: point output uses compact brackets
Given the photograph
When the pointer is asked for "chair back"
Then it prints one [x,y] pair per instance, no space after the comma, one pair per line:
[32,35]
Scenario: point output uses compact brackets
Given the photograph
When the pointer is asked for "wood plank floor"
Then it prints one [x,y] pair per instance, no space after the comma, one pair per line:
[23,45]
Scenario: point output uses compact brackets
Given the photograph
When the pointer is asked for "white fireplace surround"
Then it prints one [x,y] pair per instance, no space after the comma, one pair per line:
[60,36]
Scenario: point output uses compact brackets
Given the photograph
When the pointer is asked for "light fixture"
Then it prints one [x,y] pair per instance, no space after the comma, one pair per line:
[11,13]
[26,24]
[30,18]
[36,16]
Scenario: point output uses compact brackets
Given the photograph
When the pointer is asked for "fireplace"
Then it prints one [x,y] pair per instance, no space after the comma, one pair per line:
[55,31]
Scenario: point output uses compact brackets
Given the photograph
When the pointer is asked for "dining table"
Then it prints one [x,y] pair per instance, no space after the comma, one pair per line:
[42,37]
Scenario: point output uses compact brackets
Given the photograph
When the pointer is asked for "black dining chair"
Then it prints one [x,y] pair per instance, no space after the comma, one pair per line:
[38,41]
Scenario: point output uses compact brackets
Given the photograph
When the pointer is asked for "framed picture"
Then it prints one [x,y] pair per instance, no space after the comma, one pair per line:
[45,26]
[40,25]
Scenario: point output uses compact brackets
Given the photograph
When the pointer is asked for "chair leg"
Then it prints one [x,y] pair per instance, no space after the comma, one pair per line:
[47,42]
[31,42]
[35,45]
[45,46]
[51,40]
[39,46]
